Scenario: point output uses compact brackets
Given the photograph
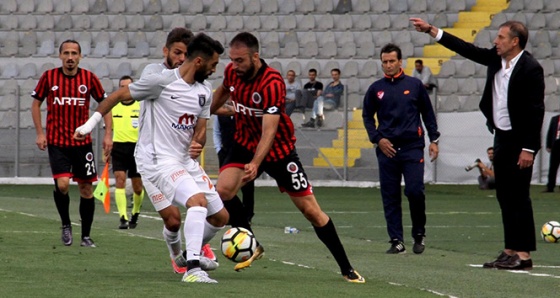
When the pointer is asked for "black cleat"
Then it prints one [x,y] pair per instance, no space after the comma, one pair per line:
[397,247]
[133,221]
[419,244]
[124,224]
[66,235]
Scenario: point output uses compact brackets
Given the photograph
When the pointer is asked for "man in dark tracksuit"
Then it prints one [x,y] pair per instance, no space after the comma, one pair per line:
[553,147]
[400,101]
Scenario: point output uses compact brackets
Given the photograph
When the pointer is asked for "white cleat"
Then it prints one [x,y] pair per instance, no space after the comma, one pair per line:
[199,276]
[207,264]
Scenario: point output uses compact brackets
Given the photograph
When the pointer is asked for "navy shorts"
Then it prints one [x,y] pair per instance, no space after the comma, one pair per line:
[288,172]
[122,157]
[76,162]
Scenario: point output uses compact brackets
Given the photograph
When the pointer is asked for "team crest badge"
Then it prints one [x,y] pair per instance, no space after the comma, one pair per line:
[82,89]
[201,100]
[256,98]
[292,167]
[231,89]
[380,94]
[89,156]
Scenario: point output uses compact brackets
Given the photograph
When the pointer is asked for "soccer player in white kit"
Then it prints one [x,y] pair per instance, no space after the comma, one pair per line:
[171,136]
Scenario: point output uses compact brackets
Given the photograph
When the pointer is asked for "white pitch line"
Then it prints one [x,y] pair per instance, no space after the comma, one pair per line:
[526,271]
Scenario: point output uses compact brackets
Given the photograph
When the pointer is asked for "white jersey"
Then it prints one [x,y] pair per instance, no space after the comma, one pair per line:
[170,111]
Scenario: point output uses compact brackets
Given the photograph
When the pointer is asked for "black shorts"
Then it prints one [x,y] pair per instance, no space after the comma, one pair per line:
[122,157]
[288,172]
[76,162]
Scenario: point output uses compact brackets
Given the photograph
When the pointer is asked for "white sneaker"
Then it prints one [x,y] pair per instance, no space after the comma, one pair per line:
[197,275]
[207,264]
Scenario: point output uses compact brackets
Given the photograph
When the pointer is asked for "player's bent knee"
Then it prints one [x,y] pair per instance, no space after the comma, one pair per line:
[197,200]
[219,219]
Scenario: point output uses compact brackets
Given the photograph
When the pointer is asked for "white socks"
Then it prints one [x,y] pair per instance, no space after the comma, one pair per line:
[173,241]
[193,228]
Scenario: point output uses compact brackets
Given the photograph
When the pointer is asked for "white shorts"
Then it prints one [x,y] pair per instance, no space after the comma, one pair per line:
[161,181]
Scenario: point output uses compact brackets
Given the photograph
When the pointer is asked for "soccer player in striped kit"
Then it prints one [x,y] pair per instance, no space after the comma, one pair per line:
[265,141]
[68,90]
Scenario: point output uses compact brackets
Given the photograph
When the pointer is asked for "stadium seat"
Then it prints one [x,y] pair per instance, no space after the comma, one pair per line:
[198,23]
[28,44]
[252,7]
[470,103]
[107,84]
[456,6]
[8,119]
[46,48]
[171,7]
[8,7]
[352,85]
[407,49]
[82,22]
[100,22]
[296,67]
[253,23]
[117,22]
[382,22]
[328,50]
[402,37]
[305,7]
[467,86]
[235,7]
[519,16]
[551,85]
[548,67]
[191,7]
[448,69]
[28,22]
[449,103]
[63,6]
[80,6]
[483,38]
[290,50]
[277,65]
[120,49]
[347,51]
[363,22]
[217,7]
[270,24]
[418,6]
[343,22]
[398,6]
[287,7]
[64,23]
[45,22]
[10,22]
[554,21]
[440,20]
[325,22]
[8,102]
[350,69]
[448,86]
[308,36]
[10,47]
[326,69]
[218,23]
[355,101]
[365,49]
[307,22]
[10,86]
[382,38]
[533,5]
[155,23]
[25,6]
[368,70]
[153,7]
[117,6]
[269,7]
[141,49]
[542,51]
[101,49]
[123,69]
[420,40]
[436,6]
[135,7]
[551,6]
[497,20]
[400,22]
[235,23]
[9,71]
[324,7]
[28,70]
[467,69]
[288,22]
[551,103]
[99,6]
[364,6]
[313,64]
[537,21]
[270,36]
[137,23]
[324,37]
[271,50]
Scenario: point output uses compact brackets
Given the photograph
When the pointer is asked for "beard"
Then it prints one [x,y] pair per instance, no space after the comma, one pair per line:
[170,64]
[201,75]
[247,75]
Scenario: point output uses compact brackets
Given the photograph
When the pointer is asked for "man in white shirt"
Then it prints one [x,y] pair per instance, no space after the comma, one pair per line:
[424,74]
[171,136]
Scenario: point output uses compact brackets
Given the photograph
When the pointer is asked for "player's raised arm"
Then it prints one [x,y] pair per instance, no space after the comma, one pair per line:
[123,94]
[219,99]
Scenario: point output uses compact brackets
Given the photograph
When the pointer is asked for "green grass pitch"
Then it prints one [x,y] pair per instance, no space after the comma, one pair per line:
[463,231]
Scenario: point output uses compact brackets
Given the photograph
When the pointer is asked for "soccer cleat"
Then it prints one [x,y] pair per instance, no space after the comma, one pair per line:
[87,242]
[259,252]
[310,123]
[199,276]
[124,223]
[419,244]
[397,247]
[319,121]
[207,264]
[355,277]
[207,252]
[179,269]
[66,235]
[133,221]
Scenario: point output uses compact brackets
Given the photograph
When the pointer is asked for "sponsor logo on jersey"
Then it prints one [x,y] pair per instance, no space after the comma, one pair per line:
[174,96]
[82,89]
[201,100]
[157,198]
[256,97]
[231,89]
[272,110]
[54,88]
[89,156]
[239,108]
[406,92]
[292,167]
[178,174]
[71,101]
[185,122]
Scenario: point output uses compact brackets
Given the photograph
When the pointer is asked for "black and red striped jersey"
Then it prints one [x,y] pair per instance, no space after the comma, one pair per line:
[264,94]
[68,99]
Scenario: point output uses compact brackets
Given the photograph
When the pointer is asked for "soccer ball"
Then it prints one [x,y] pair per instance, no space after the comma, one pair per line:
[238,244]
[550,232]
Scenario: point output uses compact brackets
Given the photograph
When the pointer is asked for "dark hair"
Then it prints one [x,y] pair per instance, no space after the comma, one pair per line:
[517,29]
[490,148]
[178,34]
[336,69]
[70,41]
[126,78]
[203,45]
[419,61]
[291,70]
[390,47]
[313,70]
[246,39]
